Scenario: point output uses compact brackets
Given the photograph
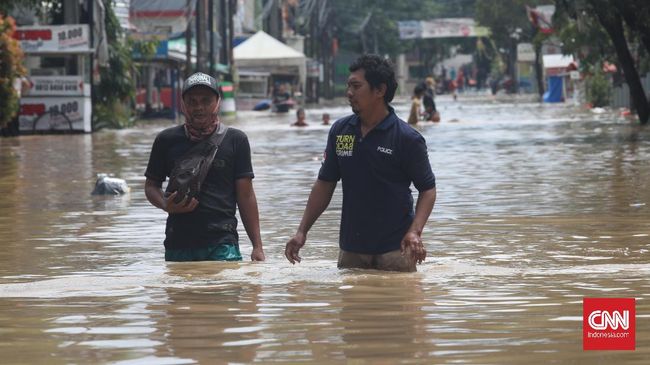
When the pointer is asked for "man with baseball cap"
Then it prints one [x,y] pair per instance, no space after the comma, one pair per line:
[205,227]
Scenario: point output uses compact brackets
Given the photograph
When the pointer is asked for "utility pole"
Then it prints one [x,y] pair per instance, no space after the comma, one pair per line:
[232,5]
[313,30]
[326,51]
[211,33]
[223,52]
[325,59]
[200,35]
[312,83]
[91,25]
[188,41]
[274,23]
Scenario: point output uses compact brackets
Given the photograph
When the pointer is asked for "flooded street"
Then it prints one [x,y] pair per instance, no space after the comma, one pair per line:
[538,207]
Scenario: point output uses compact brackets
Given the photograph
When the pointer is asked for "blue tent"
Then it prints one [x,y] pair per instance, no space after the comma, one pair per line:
[554,92]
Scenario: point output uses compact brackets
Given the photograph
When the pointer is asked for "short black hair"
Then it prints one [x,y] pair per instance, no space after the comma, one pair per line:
[299,110]
[419,89]
[378,70]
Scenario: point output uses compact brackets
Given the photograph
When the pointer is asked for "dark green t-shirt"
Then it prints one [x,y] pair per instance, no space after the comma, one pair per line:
[213,221]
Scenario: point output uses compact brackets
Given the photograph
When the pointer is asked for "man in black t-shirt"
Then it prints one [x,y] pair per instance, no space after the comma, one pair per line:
[428,100]
[205,228]
[377,156]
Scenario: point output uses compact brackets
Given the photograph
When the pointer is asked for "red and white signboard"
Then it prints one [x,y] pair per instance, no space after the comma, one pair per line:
[57,86]
[69,38]
[60,103]
[54,113]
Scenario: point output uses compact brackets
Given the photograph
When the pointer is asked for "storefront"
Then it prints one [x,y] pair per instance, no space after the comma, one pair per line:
[58,96]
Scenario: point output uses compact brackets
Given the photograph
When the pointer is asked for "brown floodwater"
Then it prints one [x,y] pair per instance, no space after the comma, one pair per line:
[539,206]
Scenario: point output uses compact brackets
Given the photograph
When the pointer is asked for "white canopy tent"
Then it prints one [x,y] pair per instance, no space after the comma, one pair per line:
[261,52]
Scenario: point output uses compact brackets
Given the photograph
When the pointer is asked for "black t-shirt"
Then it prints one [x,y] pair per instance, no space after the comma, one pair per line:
[427,99]
[377,171]
[213,221]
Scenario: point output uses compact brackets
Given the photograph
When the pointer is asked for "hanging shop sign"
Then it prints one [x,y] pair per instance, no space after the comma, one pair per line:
[54,113]
[57,86]
[68,38]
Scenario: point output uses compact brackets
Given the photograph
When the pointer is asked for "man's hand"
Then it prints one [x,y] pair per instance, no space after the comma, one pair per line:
[293,247]
[258,254]
[184,206]
[412,247]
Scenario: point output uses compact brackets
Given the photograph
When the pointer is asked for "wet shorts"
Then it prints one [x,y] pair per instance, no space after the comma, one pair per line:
[219,252]
[389,261]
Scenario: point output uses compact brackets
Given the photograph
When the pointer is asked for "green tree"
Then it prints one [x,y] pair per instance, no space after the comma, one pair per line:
[577,31]
[113,95]
[11,68]
[11,57]
[509,25]
[367,26]
[636,14]
[606,17]
[598,89]
[6,6]
[371,26]
[361,26]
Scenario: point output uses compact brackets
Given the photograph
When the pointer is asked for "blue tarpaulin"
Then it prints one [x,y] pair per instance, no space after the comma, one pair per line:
[554,92]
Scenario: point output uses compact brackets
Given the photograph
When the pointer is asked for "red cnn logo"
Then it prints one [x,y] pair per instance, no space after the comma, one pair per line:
[608,323]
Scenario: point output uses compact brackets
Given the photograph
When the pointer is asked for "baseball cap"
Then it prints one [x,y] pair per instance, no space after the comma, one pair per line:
[201,79]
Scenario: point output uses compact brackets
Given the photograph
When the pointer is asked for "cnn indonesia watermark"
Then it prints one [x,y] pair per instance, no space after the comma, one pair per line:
[608,323]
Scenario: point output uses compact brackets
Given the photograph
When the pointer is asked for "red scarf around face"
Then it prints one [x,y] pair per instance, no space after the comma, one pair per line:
[197,130]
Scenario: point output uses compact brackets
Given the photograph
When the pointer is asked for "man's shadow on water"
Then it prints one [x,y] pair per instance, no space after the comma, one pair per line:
[382,316]
[206,320]
[370,315]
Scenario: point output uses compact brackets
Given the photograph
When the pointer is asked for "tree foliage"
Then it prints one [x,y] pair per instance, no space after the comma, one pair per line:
[6,6]
[114,93]
[636,14]
[371,26]
[11,68]
[117,82]
[616,32]
[577,28]
[509,24]
[506,19]
[598,89]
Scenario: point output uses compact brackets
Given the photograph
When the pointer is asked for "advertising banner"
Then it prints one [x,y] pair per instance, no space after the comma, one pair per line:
[441,28]
[57,86]
[54,113]
[69,38]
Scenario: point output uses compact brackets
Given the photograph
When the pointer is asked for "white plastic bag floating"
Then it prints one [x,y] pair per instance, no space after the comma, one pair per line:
[106,185]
